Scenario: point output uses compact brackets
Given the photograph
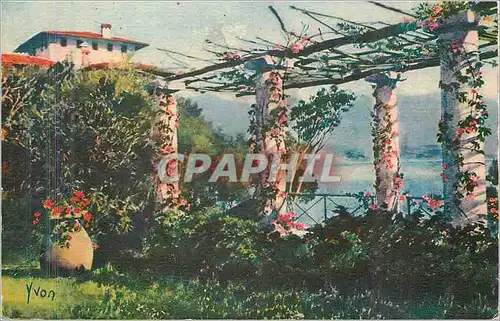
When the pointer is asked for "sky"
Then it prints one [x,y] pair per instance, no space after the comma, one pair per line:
[184,26]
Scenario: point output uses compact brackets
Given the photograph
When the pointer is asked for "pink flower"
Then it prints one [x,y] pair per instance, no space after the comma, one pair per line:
[443,176]
[431,25]
[296,48]
[387,142]
[402,197]
[275,96]
[296,225]
[435,204]
[282,119]
[168,149]
[398,182]
[304,39]
[426,197]
[473,180]
[443,166]
[286,217]
[459,132]
[280,229]
[367,194]
[372,207]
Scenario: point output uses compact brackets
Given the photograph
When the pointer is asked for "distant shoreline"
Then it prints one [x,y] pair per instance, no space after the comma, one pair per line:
[347,161]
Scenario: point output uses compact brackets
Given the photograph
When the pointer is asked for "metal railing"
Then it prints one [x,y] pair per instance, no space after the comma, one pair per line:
[323,206]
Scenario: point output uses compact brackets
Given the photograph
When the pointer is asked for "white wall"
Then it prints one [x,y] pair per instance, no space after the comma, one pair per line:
[56,52]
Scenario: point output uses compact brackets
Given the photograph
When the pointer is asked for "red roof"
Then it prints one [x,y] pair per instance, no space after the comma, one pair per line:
[92,35]
[9,59]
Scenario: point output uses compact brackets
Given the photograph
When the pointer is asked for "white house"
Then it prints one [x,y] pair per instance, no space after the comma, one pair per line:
[83,48]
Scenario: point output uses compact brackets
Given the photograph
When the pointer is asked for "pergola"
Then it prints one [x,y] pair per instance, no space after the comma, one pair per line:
[338,54]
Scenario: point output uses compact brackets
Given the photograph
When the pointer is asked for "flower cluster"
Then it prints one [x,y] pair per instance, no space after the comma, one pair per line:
[433,202]
[471,131]
[230,56]
[70,217]
[167,193]
[431,16]
[493,207]
[285,224]
[298,46]
[385,153]
[278,110]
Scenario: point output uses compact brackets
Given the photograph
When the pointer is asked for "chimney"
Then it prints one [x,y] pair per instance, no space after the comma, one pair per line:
[106,30]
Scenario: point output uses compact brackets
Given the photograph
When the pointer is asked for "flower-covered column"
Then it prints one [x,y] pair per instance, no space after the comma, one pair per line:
[269,119]
[164,136]
[385,136]
[462,129]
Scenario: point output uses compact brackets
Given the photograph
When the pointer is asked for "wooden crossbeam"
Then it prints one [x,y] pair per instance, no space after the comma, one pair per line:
[369,36]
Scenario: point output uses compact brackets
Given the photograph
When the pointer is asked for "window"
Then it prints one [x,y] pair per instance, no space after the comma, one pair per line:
[79,43]
[110,47]
[124,48]
[64,42]
[94,45]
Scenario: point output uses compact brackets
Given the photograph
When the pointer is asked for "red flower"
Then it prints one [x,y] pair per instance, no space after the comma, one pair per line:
[77,228]
[37,214]
[84,202]
[35,221]
[74,199]
[57,211]
[79,194]
[48,203]
[87,216]
[77,210]
[68,210]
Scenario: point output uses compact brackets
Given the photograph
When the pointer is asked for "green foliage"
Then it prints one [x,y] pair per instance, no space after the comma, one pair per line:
[197,136]
[204,244]
[83,130]
[315,119]
[173,298]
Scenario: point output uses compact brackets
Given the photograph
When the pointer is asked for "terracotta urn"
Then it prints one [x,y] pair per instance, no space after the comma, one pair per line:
[77,256]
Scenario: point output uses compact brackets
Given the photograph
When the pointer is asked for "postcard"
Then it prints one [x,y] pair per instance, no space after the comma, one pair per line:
[249,160]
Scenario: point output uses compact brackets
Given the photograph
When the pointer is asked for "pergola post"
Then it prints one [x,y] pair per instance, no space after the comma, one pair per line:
[463,163]
[270,119]
[164,136]
[385,136]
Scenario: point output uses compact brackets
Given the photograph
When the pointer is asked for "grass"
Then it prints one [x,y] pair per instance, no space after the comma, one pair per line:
[67,294]
[107,294]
